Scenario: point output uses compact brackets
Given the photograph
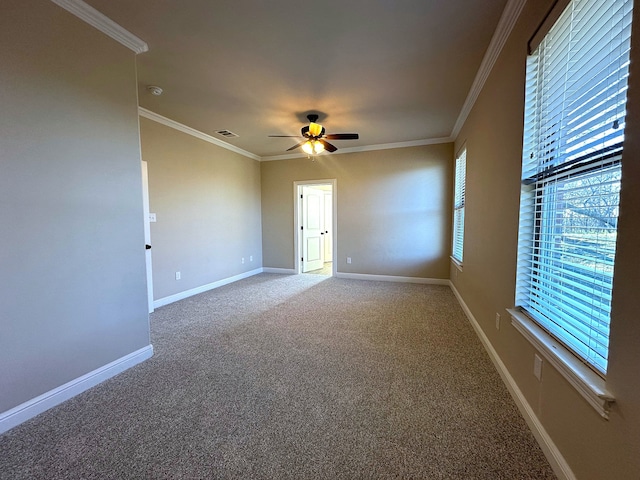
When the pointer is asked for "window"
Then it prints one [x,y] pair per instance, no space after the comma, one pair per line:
[458,206]
[574,130]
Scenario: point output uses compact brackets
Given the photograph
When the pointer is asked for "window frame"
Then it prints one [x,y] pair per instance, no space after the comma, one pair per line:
[602,157]
[459,193]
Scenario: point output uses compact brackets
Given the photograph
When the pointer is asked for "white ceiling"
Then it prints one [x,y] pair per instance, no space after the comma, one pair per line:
[391,70]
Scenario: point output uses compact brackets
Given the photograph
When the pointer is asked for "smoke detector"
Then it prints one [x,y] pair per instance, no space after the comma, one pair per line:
[153,90]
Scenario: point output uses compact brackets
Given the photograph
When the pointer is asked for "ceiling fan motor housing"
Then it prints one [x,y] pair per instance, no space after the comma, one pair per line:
[309,133]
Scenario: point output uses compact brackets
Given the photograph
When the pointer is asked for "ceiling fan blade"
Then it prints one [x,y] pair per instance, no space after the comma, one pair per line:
[283,136]
[327,146]
[296,146]
[342,136]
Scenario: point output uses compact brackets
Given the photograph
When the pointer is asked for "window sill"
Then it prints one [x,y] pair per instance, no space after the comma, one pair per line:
[456,262]
[588,383]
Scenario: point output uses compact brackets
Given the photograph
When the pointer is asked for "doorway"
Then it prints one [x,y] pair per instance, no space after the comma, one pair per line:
[315,226]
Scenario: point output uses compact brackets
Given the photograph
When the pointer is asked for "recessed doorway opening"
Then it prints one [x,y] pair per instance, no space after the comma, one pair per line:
[315,226]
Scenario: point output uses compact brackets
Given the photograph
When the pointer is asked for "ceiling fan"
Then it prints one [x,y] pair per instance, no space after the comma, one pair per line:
[315,140]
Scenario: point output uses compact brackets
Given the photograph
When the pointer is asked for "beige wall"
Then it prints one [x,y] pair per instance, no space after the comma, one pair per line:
[72,267]
[394,209]
[594,448]
[207,203]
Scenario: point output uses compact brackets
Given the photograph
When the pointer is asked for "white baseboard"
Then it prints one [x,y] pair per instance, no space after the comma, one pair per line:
[31,408]
[392,278]
[204,288]
[549,448]
[283,271]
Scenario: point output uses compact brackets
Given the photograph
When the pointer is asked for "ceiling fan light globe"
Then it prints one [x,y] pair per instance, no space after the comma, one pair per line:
[318,147]
[307,147]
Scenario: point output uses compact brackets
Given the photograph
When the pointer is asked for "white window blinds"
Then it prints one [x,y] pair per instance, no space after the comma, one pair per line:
[574,131]
[458,206]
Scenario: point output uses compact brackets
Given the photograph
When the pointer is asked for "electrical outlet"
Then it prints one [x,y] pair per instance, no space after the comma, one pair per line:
[348,259]
[178,276]
[497,321]
[251,258]
[242,259]
[537,366]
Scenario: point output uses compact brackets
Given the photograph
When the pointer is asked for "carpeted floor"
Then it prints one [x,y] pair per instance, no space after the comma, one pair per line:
[292,377]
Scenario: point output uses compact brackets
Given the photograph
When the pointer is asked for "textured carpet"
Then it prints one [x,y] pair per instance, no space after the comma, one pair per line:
[292,377]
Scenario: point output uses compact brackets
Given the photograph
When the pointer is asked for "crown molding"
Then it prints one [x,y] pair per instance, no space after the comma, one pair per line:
[286,156]
[366,148]
[143,112]
[103,23]
[507,21]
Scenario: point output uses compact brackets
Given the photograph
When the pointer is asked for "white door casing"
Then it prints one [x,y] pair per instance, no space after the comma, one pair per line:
[328,226]
[147,233]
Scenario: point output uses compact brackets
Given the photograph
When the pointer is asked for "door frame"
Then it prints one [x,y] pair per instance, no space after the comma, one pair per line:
[148,256]
[297,247]
[328,244]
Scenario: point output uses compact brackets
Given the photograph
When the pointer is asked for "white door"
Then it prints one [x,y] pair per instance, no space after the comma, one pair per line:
[147,233]
[328,226]
[312,229]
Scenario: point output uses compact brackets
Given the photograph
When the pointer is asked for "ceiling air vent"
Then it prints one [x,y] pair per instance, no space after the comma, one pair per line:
[227,133]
